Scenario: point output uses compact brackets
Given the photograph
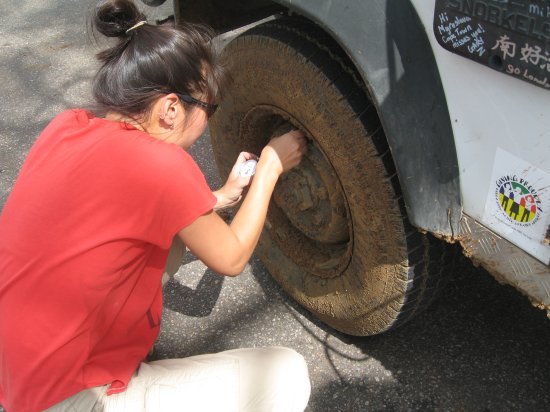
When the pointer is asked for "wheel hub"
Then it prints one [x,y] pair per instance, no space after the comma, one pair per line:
[309,196]
[309,216]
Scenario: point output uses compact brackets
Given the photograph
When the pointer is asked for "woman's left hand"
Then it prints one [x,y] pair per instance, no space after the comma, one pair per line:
[232,192]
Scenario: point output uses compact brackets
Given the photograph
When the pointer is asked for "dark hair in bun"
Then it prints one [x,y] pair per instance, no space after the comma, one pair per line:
[150,60]
[114,18]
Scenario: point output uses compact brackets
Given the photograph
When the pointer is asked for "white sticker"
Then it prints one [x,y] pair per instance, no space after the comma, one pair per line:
[518,204]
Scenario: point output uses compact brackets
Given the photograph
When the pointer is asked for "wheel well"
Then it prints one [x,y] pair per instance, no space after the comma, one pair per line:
[387,48]
[223,15]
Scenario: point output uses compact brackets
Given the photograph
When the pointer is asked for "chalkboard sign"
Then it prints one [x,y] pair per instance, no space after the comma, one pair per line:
[511,36]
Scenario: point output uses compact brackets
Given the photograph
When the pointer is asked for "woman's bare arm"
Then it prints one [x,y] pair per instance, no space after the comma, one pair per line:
[227,248]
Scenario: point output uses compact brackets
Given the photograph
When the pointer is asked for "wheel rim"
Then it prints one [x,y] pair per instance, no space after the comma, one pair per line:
[309,218]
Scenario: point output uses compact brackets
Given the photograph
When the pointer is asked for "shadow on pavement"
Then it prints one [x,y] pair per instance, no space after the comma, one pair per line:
[197,302]
[480,346]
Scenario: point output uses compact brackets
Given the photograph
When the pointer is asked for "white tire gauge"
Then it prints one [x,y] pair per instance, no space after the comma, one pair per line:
[248,168]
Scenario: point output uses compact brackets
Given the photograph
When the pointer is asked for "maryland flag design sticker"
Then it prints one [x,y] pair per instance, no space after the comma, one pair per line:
[518,200]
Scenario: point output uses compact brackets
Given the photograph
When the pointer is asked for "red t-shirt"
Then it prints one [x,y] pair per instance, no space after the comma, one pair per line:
[84,238]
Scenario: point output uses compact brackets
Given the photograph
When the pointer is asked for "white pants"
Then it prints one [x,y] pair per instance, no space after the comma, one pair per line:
[259,379]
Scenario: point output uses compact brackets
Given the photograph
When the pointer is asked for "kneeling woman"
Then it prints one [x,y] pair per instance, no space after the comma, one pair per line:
[85,234]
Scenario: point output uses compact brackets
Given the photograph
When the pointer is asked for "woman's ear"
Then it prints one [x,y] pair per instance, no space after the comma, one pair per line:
[168,110]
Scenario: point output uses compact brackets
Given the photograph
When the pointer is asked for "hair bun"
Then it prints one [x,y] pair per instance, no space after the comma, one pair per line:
[113,18]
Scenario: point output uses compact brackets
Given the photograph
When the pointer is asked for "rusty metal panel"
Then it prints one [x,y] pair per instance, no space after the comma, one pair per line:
[506,262]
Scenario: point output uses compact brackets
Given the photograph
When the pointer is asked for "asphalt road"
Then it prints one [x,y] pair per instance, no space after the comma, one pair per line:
[479,347]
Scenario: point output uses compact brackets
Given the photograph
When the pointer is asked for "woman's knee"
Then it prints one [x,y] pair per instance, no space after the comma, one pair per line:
[278,376]
[293,369]
[289,361]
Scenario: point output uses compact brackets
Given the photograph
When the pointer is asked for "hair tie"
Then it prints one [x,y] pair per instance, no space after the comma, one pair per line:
[135,26]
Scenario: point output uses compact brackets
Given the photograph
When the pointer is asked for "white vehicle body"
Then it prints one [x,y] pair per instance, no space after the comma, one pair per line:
[501,127]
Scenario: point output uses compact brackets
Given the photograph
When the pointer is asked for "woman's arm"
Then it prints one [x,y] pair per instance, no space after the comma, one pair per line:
[227,248]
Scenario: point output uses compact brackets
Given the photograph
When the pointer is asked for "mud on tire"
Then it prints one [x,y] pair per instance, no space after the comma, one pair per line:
[336,238]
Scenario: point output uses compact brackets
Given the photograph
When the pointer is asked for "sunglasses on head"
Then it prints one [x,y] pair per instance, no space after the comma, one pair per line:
[210,109]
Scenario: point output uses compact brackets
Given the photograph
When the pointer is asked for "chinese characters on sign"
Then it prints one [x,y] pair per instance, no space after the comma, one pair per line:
[531,55]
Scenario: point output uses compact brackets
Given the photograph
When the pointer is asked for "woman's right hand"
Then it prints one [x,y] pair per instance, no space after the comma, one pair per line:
[284,152]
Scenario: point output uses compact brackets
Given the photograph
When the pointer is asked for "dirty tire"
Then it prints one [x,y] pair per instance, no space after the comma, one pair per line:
[336,237]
